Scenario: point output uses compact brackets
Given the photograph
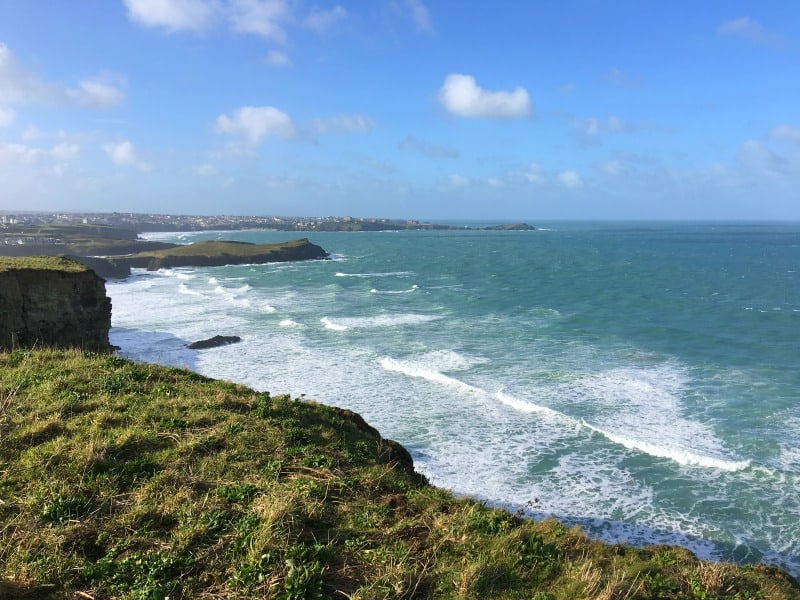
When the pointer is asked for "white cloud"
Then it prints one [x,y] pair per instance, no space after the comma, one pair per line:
[458,180]
[321,20]
[461,96]
[419,15]
[751,30]
[172,15]
[14,154]
[96,93]
[495,182]
[570,179]
[757,157]
[343,123]
[264,18]
[416,144]
[277,58]
[254,123]
[20,87]
[7,116]
[124,154]
[785,132]
[533,174]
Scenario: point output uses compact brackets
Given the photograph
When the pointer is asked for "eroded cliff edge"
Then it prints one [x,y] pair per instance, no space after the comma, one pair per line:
[52,302]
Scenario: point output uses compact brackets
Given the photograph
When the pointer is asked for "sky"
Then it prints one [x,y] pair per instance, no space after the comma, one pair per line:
[411,109]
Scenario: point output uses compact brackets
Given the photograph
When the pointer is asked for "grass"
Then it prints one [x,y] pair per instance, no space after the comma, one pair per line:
[128,480]
[212,248]
[56,263]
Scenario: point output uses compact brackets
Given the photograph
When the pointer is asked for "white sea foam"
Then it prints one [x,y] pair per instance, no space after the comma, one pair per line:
[184,289]
[368,275]
[345,323]
[414,370]
[680,455]
[289,323]
[268,308]
[413,288]
[333,326]
[526,406]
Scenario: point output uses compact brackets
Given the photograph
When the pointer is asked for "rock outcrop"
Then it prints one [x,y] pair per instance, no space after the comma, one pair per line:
[214,342]
[52,302]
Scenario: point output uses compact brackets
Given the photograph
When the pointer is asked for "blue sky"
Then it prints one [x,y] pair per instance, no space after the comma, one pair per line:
[402,108]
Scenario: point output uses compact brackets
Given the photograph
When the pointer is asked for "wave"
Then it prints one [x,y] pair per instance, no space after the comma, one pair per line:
[345,323]
[676,454]
[268,308]
[331,325]
[367,275]
[527,407]
[184,289]
[413,288]
[412,370]
[289,323]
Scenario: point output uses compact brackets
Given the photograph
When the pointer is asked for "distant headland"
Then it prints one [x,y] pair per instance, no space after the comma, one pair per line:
[110,243]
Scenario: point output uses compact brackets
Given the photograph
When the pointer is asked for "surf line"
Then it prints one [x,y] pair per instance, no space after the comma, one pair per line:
[678,455]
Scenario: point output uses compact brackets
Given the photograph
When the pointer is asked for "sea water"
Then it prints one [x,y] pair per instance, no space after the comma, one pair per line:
[640,380]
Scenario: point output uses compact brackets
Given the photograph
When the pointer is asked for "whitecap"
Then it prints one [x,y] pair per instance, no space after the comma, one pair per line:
[683,456]
[414,370]
[366,275]
[289,323]
[393,320]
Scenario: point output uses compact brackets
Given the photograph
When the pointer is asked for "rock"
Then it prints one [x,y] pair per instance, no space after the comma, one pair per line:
[217,340]
[52,302]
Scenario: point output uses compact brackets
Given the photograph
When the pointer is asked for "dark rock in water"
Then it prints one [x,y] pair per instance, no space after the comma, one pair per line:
[217,340]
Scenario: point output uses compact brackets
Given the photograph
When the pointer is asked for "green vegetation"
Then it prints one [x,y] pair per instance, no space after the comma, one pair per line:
[127,480]
[52,263]
[223,248]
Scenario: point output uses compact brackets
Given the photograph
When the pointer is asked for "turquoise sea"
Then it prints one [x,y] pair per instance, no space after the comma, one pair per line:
[640,379]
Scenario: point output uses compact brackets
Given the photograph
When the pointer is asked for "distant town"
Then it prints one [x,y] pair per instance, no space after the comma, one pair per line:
[17,226]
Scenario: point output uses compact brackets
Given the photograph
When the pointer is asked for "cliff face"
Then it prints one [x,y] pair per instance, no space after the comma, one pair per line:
[52,302]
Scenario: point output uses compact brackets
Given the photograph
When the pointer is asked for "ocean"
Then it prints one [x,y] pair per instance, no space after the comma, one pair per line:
[638,379]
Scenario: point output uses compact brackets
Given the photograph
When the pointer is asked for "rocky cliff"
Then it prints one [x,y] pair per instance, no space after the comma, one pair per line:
[50,301]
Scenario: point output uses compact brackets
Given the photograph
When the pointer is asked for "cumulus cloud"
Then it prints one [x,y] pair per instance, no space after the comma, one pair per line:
[462,96]
[264,18]
[20,87]
[321,20]
[123,153]
[7,116]
[750,30]
[343,124]
[785,132]
[592,129]
[172,15]
[570,179]
[254,123]
[416,144]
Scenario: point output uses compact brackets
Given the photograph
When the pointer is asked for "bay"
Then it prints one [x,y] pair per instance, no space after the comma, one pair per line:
[638,379]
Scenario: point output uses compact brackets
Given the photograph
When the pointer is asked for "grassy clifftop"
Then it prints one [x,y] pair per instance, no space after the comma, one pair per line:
[45,263]
[128,480]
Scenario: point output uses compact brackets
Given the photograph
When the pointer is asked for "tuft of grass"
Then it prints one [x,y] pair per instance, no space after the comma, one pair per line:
[134,481]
